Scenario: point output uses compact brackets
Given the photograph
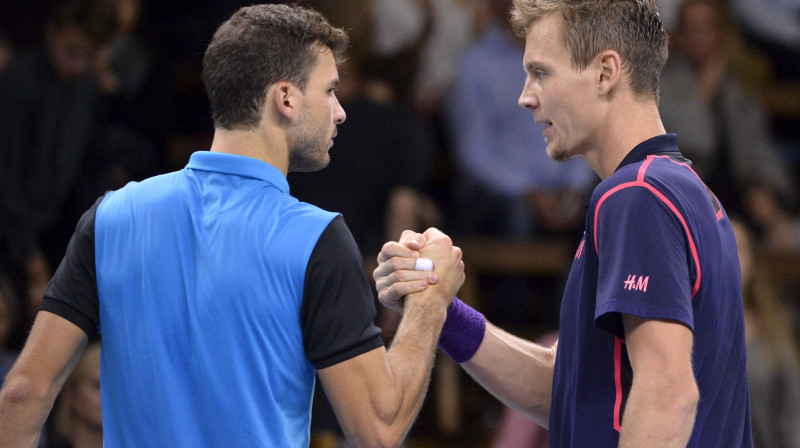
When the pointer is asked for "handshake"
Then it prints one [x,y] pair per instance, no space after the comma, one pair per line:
[425,263]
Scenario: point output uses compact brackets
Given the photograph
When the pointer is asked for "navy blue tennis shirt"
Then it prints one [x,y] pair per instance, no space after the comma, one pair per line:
[217,295]
[658,245]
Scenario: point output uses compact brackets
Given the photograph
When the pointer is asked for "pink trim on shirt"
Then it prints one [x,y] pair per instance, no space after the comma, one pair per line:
[719,212]
[580,249]
[641,183]
[618,382]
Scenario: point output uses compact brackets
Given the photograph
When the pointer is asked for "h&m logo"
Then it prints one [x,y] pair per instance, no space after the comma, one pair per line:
[636,283]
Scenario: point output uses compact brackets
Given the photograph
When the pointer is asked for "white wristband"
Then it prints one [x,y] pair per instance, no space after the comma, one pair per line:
[423,264]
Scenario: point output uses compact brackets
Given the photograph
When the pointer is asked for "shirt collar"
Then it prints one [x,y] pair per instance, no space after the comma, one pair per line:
[665,143]
[237,165]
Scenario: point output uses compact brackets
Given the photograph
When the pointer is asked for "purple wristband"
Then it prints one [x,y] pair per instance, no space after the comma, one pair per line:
[462,332]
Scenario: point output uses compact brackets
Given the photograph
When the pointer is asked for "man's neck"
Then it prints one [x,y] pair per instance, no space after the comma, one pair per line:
[252,143]
[624,130]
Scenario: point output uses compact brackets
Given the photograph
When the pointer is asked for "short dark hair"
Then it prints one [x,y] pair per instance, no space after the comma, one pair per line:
[257,47]
[632,28]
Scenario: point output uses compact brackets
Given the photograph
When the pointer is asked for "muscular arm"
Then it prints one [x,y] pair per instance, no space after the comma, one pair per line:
[50,354]
[378,394]
[661,408]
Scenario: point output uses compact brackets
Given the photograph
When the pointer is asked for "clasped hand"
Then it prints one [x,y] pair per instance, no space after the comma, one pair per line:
[395,277]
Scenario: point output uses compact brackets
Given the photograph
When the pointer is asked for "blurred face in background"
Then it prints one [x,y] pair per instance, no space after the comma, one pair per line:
[71,51]
[128,12]
[83,391]
[700,32]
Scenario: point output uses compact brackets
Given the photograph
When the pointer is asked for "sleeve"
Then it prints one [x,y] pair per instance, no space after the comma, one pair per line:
[338,310]
[72,292]
[644,260]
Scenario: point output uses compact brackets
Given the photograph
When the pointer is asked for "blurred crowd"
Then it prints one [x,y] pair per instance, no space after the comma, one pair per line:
[98,93]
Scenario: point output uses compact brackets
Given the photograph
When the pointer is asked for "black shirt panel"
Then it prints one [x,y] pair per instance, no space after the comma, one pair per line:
[338,310]
[72,292]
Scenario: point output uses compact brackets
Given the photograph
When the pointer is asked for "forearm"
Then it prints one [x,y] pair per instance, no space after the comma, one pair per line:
[51,351]
[378,395]
[517,372]
[23,411]
[410,361]
[658,419]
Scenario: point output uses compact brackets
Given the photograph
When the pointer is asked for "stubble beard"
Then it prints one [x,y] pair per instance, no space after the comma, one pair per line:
[309,150]
[557,152]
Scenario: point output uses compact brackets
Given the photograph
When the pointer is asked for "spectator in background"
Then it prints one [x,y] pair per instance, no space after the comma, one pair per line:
[9,320]
[137,111]
[78,419]
[48,108]
[424,39]
[668,10]
[773,361]
[504,182]
[6,50]
[774,26]
[723,127]
[125,62]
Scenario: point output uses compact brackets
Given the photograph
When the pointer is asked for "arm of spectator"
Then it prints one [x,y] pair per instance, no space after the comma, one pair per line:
[788,410]
[407,208]
[557,210]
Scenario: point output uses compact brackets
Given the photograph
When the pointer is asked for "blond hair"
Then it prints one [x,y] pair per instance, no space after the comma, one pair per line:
[632,28]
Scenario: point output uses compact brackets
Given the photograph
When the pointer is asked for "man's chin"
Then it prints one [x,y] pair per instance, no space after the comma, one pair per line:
[308,166]
[558,154]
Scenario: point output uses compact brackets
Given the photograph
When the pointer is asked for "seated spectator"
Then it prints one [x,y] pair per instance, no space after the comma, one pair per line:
[773,361]
[774,26]
[9,319]
[6,50]
[77,420]
[722,126]
[48,113]
[505,184]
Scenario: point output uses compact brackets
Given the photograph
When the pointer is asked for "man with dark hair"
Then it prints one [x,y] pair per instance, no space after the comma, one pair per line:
[218,295]
[651,349]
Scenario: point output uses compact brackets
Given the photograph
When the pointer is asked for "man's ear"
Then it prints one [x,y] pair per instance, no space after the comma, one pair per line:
[286,99]
[610,71]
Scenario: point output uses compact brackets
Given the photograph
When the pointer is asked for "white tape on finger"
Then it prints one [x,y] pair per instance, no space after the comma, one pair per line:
[423,264]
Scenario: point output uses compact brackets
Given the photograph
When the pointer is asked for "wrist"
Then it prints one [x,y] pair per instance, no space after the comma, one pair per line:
[462,332]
